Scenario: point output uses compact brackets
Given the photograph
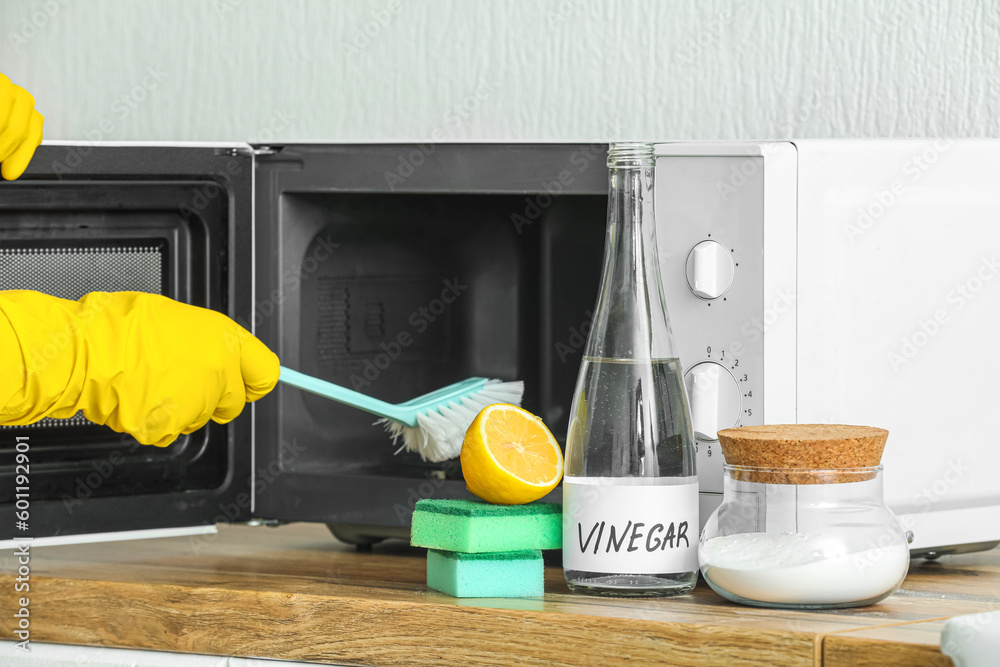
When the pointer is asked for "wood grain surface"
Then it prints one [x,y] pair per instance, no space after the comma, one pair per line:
[910,645]
[296,593]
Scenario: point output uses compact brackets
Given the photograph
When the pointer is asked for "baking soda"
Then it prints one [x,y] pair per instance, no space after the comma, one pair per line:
[794,568]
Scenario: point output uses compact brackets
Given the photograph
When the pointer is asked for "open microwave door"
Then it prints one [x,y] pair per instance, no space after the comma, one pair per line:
[173,219]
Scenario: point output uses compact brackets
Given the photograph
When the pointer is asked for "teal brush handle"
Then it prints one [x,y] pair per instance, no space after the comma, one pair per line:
[348,397]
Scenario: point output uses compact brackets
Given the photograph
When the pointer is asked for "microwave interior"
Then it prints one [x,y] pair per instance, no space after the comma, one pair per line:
[396,284]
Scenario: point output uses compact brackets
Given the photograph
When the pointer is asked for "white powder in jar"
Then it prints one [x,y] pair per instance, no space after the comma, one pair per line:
[795,568]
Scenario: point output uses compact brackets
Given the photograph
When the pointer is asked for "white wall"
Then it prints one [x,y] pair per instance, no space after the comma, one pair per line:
[549,70]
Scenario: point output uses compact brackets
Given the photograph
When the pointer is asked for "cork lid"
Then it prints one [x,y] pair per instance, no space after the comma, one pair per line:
[783,448]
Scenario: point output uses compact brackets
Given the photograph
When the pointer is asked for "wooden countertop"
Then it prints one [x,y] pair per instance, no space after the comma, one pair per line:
[295,593]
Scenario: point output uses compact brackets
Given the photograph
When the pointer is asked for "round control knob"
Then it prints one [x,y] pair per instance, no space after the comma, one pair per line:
[715,398]
[709,269]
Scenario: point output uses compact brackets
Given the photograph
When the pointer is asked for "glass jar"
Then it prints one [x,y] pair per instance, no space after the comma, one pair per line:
[803,539]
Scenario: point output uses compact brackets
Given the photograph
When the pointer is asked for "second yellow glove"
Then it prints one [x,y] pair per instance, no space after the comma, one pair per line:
[20,129]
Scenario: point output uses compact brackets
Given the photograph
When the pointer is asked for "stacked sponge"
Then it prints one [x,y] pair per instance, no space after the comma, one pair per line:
[478,549]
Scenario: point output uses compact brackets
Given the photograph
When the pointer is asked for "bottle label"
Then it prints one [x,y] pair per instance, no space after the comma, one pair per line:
[630,525]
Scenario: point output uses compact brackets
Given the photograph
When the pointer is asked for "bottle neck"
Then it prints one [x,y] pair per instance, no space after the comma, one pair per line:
[631,318]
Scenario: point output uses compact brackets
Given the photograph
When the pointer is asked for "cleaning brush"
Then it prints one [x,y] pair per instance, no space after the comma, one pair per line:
[432,425]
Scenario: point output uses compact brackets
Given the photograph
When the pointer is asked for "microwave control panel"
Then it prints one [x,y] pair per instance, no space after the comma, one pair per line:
[710,233]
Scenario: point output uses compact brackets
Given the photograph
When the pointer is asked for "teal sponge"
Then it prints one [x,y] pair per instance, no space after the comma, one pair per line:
[509,574]
[474,526]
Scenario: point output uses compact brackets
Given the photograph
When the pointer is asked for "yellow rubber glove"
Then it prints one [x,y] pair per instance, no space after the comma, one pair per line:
[20,129]
[141,363]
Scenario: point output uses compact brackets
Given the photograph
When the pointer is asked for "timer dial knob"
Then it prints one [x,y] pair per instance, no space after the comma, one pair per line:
[715,398]
[710,270]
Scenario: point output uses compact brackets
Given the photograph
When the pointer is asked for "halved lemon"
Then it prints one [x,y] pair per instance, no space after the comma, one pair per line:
[509,456]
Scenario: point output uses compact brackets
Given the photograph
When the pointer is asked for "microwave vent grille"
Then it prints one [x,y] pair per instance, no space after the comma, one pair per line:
[357,318]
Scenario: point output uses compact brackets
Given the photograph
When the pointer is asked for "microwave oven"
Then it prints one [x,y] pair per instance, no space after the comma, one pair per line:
[815,281]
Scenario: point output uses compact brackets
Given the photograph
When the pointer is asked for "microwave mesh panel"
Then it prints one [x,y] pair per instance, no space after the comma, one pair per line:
[76,420]
[70,273]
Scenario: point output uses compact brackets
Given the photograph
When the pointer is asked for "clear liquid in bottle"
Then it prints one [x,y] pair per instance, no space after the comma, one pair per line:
[630,491]
[631,428]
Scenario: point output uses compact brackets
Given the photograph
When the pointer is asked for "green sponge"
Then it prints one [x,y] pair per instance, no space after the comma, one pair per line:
[474,526]
[509,574]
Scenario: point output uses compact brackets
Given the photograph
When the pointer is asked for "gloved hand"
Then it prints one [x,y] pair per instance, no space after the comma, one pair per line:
[20,129]
[141,363]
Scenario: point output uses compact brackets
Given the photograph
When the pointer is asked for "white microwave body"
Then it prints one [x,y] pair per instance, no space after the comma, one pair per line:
[845,281]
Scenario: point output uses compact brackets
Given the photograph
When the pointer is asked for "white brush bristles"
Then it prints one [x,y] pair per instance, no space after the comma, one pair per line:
[439,433]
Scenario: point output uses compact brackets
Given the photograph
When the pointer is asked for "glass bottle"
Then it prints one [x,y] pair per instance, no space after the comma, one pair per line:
[630,491]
